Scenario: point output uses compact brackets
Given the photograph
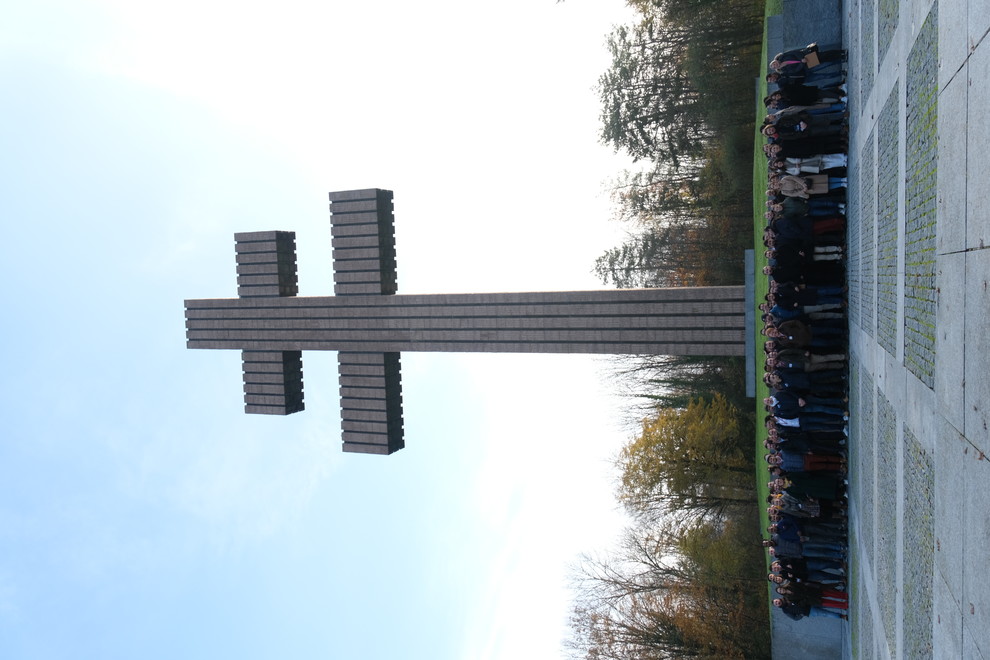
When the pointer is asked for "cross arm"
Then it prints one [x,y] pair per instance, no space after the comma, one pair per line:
[370,402]
[363,229]
[266,267]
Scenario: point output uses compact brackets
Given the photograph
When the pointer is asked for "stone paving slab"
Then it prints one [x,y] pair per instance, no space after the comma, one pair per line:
[950,516]
[919,81]
[953,50]
[929,594]
[975,469]
[978,146]
[978,16]
[976,318]
[947,629]
[952,149]
[931,403]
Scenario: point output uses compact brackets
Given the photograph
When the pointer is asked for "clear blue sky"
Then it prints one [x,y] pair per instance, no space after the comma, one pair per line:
[142,514]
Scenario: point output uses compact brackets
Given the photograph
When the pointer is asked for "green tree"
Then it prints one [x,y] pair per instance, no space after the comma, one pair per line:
[649,108]
[693,460]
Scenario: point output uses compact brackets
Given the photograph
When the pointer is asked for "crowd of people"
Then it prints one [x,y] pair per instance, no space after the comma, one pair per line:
[804,321]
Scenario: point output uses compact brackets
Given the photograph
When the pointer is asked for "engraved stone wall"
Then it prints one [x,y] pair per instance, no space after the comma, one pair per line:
[919,547]
[867,224]
[888,158]
[921,155]
[887,19]
[868,68]
[885,568]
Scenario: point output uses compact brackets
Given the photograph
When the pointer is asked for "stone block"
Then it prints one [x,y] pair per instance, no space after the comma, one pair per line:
[356,229]
[367,427]
[971,649]
[348,403]
[950,374]
[357,289]
[953,48]
[347,242]
[259,236]
[258,279]
[364,415]
[976,348]
[360,194]
[953,137]
[978,16]
[978,137]
[975,467]
[365,448]
[360,206]
[253,409]
[366,218]
[947,625]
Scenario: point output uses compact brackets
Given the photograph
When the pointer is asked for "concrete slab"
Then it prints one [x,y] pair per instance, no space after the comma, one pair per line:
[950,372]
[976,584]
[952,163]
[950,511]
[952,419]
[979,22]
[891,380]
[916,408]
[947,630]
[970,650]
[977,348]
[978,138]
[952,51]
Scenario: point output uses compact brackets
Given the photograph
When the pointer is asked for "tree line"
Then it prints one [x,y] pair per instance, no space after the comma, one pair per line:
[686,579]
[678,99]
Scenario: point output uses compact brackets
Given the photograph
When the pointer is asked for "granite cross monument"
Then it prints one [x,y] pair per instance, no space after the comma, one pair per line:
[368,324]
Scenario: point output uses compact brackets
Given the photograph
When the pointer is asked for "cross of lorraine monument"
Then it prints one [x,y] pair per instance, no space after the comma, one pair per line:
[368,324]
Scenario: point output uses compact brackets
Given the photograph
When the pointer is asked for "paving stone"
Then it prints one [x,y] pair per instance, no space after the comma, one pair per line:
[950,377]
[920,306]
[952,164]
[950,510]
[978,17]
[971,649]
[976,349]
[976,577]
[953,50]
[947,627]
[978,139]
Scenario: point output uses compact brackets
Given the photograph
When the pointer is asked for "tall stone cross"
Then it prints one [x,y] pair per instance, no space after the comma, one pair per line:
[369,325]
